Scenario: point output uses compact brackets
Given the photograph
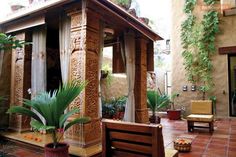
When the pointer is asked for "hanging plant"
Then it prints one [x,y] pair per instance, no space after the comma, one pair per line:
[198,41]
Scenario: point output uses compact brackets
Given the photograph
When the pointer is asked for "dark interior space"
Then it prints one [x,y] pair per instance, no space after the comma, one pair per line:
[53,56]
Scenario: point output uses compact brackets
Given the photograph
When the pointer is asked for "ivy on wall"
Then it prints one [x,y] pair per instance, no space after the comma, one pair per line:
[198,40]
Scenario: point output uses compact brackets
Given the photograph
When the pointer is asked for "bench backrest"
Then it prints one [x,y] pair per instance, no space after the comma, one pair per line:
[201,107]
[126,139]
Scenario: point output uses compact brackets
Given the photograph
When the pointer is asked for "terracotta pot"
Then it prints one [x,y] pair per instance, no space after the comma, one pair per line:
[60,151]
[31,1]
[144,20]
[119,115]
[132,12]
[155,119]
[16,7]
[174,114]
[104,74]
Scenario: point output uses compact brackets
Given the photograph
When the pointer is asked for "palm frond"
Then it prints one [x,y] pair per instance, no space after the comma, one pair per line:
[64,117]
[40,126]
[23,111]
[82,120]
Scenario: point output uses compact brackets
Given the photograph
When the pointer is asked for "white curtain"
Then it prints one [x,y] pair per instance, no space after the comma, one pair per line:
[129,44]
[38,65]
[100,66]
[64,38]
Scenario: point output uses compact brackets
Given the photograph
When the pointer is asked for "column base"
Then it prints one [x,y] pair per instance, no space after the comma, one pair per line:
[85,135]
[141,115]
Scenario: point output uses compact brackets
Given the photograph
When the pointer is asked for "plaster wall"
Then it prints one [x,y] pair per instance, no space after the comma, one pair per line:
[227,37]
[116,88]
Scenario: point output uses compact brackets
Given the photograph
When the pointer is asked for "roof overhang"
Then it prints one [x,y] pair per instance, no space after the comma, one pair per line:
[109,6]
[129,19]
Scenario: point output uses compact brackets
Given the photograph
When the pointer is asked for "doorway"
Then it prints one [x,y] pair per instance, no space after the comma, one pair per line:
[54,78]
[232,84]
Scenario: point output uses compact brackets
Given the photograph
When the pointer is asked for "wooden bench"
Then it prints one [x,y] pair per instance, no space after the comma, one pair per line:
[124,139]
[201,111]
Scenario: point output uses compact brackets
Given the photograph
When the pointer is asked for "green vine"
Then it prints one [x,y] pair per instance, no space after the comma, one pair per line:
[189,6]
[198,41]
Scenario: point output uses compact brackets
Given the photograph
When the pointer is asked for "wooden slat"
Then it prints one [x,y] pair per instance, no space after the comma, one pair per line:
[127,126]
[132,147]
[104,140]
[155,142]
[131,137]
[118,153]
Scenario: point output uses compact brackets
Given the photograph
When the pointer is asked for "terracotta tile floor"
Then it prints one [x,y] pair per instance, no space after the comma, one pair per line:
[9,149]
[222,143]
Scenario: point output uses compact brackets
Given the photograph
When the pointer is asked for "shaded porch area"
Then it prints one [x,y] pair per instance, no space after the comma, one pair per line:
[222,143]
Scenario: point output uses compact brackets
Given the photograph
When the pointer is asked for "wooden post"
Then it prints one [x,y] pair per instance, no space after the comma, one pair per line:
[140,89]
[18,85]
[84,65]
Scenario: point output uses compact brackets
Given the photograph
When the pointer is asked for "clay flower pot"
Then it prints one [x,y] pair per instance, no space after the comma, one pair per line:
[60,151]
[16,7]
[155,119]
[174,114]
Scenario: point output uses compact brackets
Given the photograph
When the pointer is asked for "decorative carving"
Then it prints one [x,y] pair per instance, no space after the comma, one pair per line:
[78,41]
[91,107]
[76,20]
[84,67]
[18,122]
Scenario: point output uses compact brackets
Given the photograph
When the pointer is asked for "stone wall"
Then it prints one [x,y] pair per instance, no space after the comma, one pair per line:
[227,37]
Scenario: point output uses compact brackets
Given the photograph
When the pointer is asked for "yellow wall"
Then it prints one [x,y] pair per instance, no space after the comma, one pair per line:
[227,37]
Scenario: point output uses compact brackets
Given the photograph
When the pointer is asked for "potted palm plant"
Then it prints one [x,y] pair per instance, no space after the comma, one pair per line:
[49,114]
[173,113]
[155,102]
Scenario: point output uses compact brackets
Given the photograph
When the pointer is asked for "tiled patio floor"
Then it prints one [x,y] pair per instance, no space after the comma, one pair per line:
[222,143]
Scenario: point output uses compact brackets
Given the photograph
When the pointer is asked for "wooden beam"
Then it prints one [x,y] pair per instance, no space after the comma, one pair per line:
[227,50]
[229,12]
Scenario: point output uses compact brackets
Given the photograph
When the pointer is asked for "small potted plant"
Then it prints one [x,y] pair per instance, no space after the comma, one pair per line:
[156,101]
[108,108]
[173,113]
[51,107]
[120,107]
[123,3]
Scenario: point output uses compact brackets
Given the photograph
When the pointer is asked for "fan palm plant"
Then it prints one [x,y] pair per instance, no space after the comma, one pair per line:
[156,101]
[49,110]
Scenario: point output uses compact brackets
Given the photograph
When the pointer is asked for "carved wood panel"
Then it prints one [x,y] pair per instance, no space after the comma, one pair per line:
[84,64]
[18,122]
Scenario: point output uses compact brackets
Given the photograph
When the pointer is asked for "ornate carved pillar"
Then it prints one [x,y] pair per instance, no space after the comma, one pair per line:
[18,122]
[84,65]
[140,89]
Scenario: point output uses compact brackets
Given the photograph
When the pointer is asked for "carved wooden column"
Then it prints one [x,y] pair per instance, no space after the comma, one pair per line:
[18,122]
[84,65]
[140,89]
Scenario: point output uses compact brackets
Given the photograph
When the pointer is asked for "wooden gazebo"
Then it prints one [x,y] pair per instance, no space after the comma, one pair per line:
[88,18]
